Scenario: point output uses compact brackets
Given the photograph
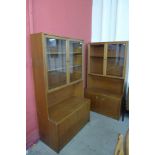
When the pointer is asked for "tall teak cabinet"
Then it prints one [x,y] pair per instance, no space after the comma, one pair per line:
[105,77]
[58,75]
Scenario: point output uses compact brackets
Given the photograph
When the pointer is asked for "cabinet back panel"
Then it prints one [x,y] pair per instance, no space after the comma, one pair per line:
[97,50]
[64,93]
[96,65]
[111,84]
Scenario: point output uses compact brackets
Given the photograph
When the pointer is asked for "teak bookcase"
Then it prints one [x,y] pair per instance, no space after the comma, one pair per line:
[105,78]
[58,75]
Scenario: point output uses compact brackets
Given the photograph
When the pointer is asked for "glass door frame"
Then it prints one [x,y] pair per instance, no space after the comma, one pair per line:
[82,71]
[89,58]
[106,58]
[44,37]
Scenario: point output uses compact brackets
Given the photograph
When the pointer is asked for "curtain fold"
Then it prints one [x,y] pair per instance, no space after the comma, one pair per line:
[110,20]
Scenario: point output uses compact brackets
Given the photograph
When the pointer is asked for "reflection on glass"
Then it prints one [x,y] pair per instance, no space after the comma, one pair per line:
[115,59]
[56,60]
[75,49]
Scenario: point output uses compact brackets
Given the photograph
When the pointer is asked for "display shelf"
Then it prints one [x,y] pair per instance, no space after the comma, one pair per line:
[57,69]
[76,66]
[100,75]
[55,53]
[76,53]
[115,57]
[96,56]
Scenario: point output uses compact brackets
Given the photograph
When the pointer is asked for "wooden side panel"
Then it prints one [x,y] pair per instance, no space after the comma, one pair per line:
[111,84]
[79,89]
[40,85]
[72,124]
[53,136]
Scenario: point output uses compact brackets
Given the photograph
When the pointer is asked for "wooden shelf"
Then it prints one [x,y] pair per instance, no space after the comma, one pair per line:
[56,53]
[75,66]
[96,56]
[65,86]
[60,111]
[114,57]
[76,53]
[103,92]
[95,74]
[58,84]
[111,76]
[64,68]
[56,69]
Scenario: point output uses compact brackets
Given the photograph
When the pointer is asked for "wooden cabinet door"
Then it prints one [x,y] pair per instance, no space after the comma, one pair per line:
[109,106]
[106,105]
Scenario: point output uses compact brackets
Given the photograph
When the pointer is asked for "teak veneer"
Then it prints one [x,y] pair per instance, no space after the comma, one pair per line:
[106,76]
[61,107]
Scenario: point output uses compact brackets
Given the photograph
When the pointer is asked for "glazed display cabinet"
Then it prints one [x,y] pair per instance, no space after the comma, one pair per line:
[107,59]
[58,76]
[106,76]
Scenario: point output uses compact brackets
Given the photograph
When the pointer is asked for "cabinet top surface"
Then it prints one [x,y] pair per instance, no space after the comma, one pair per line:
[110,42]
[59,111]
[57,36]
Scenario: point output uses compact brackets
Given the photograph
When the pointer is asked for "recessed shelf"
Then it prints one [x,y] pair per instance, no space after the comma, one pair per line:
[56,69]
[76,53]
[111,76]
[114,57]
[95,74]
[75,66]
[96,56]
[55,53]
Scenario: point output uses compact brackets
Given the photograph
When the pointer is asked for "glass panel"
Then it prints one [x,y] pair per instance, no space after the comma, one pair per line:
[75,60]
[96,59]
[115,59]
[56,59]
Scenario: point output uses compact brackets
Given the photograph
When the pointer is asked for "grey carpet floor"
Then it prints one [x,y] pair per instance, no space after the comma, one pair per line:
[98,137]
